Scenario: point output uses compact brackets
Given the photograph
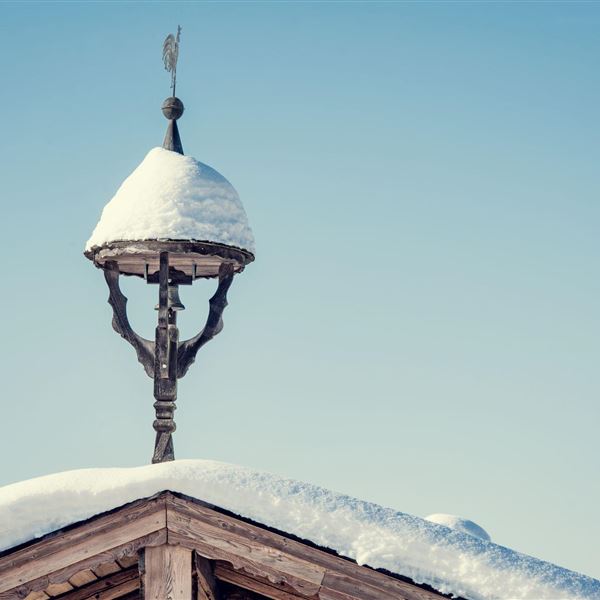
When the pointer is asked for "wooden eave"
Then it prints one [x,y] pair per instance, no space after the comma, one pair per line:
[103,558]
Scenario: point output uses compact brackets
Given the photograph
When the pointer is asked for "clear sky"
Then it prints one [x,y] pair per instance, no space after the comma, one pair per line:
[421,325]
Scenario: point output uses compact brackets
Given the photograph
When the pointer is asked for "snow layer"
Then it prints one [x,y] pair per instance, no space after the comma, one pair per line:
[460,524]
[171,196]
[448,560]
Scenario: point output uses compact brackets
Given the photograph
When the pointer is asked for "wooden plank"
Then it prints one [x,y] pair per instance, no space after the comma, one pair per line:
[229,575]
[168,573]
[114,585]
[128,561]
[207,584]
[72,546]
[230,527]
[187,526]
[37,596]
[56,589]
[82,577]
[17,593]
[107,568]
[337,586]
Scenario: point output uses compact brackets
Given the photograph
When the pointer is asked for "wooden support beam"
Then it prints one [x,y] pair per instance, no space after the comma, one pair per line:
[240,579]
[212,536]
[167,573]
[207,584]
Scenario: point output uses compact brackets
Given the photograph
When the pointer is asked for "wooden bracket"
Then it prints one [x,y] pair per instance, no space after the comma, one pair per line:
[187,351]
[144,348]
[166,359]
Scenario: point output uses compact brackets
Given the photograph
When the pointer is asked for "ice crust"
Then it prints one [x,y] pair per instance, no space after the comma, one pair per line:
[176,197]
[450,561]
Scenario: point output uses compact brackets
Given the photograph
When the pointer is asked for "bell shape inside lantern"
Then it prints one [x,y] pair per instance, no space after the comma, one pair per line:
[174,203]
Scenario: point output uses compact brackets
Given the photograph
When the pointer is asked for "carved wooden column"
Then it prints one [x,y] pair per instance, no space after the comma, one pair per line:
[166,359]
[167,573]
[165,368]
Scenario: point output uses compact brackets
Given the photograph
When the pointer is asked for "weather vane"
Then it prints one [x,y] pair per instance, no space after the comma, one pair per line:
[171,54]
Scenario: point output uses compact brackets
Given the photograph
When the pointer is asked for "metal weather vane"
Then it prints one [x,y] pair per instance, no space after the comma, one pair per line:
[171,54]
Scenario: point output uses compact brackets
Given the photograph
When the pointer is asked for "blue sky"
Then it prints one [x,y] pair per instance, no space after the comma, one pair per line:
[420,327]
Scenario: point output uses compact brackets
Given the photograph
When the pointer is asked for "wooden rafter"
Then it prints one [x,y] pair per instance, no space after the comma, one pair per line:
[110,587]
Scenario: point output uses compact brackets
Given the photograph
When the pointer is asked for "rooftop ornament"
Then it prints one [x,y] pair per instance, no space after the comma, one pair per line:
[173,220]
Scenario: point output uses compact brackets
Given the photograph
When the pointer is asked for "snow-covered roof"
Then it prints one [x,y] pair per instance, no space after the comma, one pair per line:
[176,197]
[448,560]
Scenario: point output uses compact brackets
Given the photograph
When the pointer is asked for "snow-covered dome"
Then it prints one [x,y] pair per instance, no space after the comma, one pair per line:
[460,524]
[174,197]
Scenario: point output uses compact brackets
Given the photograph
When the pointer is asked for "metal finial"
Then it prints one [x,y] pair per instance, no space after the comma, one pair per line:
[171,54]
[172,107]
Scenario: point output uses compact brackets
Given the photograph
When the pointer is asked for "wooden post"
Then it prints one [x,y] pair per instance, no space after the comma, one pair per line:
[165,368]
[167,573]
[207,584]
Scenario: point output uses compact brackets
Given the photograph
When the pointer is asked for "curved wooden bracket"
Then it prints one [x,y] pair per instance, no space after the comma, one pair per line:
[187,350]
[120,322]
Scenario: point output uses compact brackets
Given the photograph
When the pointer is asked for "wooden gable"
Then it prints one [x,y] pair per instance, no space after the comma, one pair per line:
[177,548]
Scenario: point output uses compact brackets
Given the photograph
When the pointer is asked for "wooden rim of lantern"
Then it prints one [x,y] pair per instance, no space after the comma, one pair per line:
[193,259]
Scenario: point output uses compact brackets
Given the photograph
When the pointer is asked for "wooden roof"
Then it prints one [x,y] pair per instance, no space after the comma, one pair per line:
[108,557]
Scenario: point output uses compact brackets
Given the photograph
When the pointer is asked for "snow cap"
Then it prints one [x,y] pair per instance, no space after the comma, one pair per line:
[174,197]
[448,560]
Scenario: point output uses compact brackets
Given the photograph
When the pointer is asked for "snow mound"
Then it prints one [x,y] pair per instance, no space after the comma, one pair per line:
[448,560]
[459,524]
[171,196]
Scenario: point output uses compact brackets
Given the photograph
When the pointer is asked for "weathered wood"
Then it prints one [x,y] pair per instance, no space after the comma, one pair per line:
[238,578]
[107,568]
[128,561]
[56,589]
[207,584]
[195,259]
[338,586]
[37,596]
[40,583]
[82,578]
[144,348]
[267,563]
[57,558]
[168,573]
[235,528]
[233,592]
[214,323]
[165,368]
[111,586]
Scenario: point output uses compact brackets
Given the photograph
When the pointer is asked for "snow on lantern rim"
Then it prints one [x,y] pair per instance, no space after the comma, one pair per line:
[170,196]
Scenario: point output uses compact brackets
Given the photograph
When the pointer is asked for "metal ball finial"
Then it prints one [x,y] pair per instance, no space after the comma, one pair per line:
[172,108]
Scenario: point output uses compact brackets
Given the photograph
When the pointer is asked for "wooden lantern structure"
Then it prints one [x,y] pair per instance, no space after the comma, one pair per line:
[168,263]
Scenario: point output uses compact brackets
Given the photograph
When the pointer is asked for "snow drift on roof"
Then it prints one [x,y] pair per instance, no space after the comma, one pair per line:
[448,560]
[460,524]
[171,196]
